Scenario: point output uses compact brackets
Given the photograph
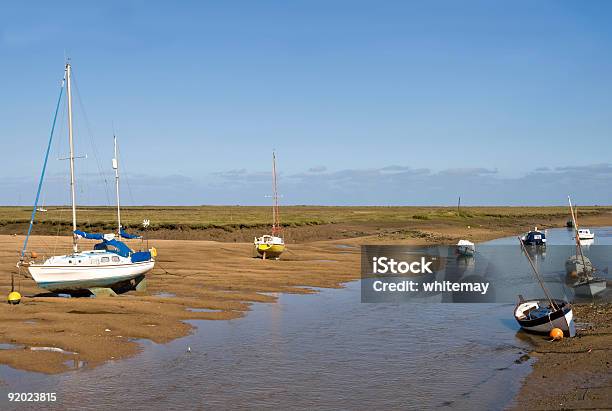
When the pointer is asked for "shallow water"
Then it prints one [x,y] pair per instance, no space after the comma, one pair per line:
[325,350]
[312,351]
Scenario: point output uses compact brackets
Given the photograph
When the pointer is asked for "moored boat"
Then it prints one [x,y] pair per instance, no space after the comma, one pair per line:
[589,286]
[579,268]
[465,247]
[272,245]
[578,265]
[585,234]
[534,238]
[111,262]
[541,315]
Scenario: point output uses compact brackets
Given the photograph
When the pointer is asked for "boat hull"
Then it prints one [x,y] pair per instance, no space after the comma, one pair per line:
[534,239]
[270,250]
[562,318]
[590,288]
[466,250]
[82,277]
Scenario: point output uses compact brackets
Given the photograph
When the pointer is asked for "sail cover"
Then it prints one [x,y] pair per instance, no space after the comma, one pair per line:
[121,249]
[108,243]
[89,236]
[141,256]
[114,246]
[128,235]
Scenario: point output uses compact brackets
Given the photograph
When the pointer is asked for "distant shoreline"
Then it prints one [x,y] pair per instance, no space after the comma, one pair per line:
[301,223]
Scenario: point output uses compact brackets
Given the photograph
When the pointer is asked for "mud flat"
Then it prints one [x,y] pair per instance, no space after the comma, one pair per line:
[573,373]
[202,280]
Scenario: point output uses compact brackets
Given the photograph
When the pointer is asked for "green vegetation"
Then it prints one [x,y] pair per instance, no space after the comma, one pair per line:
[239,217]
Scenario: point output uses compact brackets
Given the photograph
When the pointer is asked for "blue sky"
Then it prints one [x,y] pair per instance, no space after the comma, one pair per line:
[365,102]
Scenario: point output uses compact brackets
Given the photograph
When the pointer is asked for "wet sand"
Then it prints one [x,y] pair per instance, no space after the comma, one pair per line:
[223,278]
[575,373]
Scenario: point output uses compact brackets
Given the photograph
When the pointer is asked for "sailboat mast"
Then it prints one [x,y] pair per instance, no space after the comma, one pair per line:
[576,234]
[275,214]
[116,167]
[72,187]
[537,276]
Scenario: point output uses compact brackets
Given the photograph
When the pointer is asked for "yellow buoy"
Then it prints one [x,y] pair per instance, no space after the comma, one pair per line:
[556,334]
[14,298]
[153,252]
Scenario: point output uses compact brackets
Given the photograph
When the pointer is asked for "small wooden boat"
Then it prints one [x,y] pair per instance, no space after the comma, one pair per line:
[465,247]
[534,238]
[541,315]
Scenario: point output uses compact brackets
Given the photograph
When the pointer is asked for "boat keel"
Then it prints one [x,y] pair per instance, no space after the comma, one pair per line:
[102,292]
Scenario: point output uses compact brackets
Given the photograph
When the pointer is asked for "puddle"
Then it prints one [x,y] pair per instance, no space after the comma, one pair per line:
[6,346]
[75,364]
[270,293]
[346,246]
[324,261]
[52,349]
[204,310]
[165,295]
[31,322]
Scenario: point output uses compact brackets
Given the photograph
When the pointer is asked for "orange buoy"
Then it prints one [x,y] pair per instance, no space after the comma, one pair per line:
[34,254]
[556,334]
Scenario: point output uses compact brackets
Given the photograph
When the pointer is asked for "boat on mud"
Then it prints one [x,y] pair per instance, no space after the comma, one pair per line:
[110,264]
[272,245]
[541,315]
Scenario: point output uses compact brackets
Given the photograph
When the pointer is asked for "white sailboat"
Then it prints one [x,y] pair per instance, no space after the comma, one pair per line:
[110,263]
